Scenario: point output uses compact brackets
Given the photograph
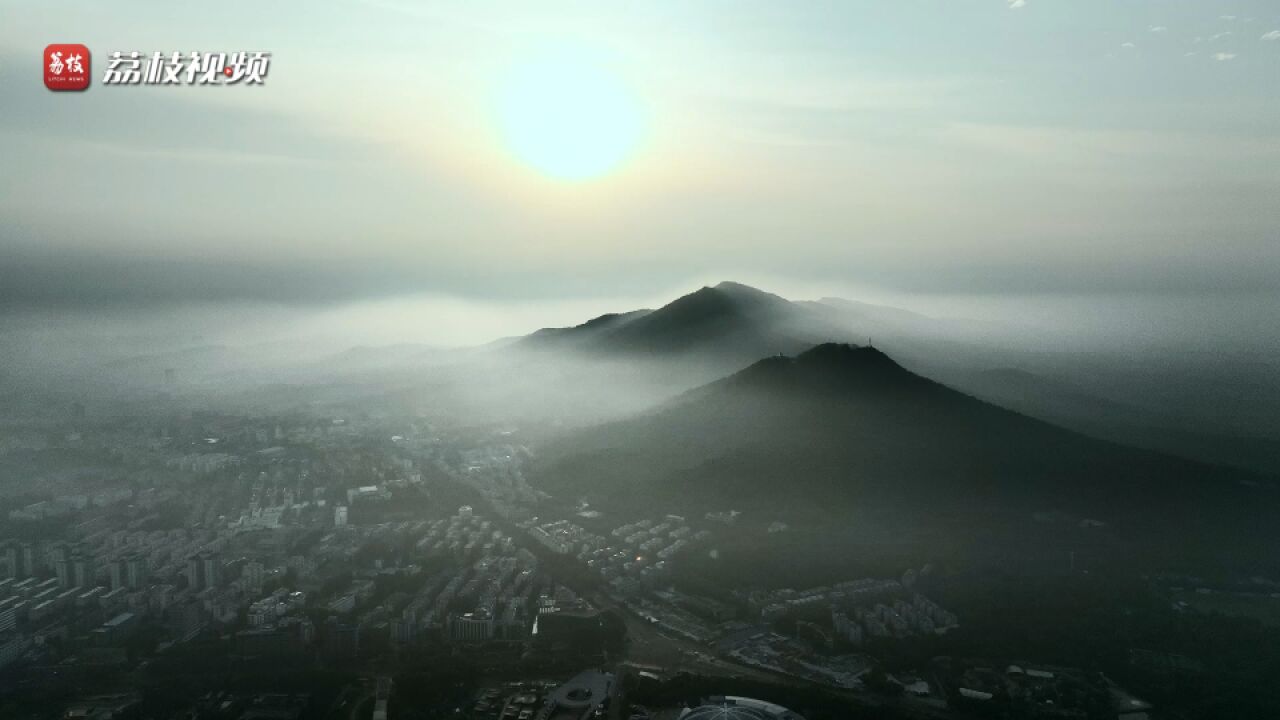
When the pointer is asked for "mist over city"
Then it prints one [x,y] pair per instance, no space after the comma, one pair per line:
[661,362]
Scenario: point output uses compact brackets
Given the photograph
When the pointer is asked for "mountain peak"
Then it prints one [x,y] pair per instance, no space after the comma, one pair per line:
[732,286]
[705,301]
[831,367]
[845,354]
[725,301]
[740,291]
[725,298]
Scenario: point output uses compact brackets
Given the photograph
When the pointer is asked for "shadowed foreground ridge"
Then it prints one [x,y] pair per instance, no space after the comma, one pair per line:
[840,429]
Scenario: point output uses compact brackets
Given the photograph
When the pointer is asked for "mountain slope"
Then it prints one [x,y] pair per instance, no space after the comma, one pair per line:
[1066,404]
[580,334]
[841,429]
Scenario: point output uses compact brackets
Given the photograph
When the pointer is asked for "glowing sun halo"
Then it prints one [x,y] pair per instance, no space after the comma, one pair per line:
[568,116]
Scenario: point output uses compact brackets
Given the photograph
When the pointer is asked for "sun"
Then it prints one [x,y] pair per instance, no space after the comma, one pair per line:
[569,116]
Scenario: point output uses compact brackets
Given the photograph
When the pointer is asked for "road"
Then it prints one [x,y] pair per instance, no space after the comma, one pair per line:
[649,646]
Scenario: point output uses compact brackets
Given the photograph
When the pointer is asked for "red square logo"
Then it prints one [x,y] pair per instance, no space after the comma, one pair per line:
[66,67]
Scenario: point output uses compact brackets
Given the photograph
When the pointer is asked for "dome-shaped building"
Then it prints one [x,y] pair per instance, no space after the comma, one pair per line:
[737,708]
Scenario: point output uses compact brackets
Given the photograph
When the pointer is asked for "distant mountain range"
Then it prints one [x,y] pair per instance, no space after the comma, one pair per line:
[718,330]
[625,362]
[622,363]
[728,323]
[731,320]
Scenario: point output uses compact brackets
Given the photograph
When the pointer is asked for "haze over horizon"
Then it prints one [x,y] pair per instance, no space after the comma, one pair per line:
[555,360]
[1109,168]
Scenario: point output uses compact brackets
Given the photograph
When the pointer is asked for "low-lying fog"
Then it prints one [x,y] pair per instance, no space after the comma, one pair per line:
[1205,362]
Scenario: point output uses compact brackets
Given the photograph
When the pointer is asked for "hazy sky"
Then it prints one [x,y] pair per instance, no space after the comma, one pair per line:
[995,148]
